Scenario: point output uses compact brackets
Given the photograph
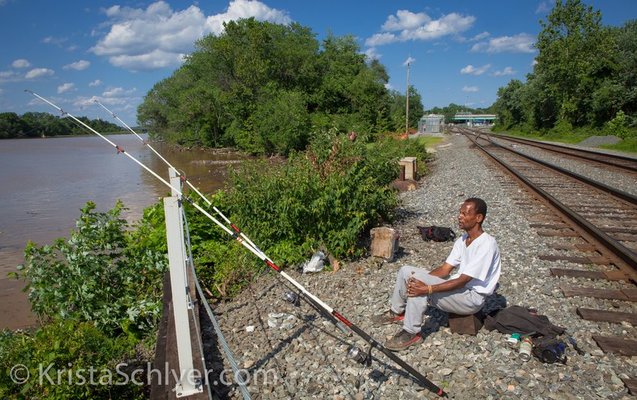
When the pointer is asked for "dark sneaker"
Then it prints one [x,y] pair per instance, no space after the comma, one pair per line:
[388,317]
[402,340]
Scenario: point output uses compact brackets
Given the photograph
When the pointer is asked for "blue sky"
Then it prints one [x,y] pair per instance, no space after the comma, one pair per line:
[74,51]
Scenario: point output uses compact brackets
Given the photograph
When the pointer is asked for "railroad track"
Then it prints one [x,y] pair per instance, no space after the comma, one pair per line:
[614,161]
[587,224]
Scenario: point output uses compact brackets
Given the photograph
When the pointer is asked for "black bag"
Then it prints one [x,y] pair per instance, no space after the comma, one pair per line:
[436,233]
[517,319]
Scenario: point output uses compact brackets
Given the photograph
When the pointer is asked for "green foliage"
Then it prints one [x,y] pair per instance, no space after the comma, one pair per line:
[99,274]
[397,109]
[36,124]
[628,145]
[60,357]
[328,196]
[584,74]
[618,126]
[265,88]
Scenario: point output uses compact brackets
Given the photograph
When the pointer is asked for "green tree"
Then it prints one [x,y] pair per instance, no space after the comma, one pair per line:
[265,88]
[575,55]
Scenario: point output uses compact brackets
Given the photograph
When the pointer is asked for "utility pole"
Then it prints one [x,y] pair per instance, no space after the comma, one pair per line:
[407,99]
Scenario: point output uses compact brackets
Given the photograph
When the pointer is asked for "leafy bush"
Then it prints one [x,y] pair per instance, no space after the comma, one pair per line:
[99,274]
[59,358]
[618,126]
[327,196]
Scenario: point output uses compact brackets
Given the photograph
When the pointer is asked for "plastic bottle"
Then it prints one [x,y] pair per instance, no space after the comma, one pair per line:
[514,339]
[525,349]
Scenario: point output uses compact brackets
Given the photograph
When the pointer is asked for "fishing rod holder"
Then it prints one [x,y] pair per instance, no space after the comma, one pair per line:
[357,354]
[293,298]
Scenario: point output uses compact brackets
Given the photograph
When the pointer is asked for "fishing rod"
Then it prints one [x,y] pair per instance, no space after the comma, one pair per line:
[183,178]
[307,295]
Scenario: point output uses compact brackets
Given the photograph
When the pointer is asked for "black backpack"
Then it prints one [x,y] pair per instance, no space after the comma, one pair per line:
[436,233]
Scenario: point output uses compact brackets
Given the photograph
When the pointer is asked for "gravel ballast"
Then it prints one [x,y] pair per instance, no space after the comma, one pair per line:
[292,352]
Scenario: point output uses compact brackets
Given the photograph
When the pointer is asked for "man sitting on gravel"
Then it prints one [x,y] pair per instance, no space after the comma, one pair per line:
[477,257]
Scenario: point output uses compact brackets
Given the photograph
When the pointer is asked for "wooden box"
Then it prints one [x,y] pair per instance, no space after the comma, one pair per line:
[411,170]
[465,324]
[384,242]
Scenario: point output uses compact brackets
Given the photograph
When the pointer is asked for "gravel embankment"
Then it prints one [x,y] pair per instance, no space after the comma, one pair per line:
[308,355]
[620,180]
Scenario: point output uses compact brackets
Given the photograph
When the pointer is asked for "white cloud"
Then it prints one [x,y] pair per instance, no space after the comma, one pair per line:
[419,26]
[471,70]
[520,43]
[238,9]
[379,39]
[372,54]
[543,7]
[405,19]
[448,25]
[78,65]
[118,92]
[506,71]
[96,82]
[9,76]
[470,89]
[409,60]
[21,63]
[480,36]
[158,36]
[65,87]
[38,73]
[54,40]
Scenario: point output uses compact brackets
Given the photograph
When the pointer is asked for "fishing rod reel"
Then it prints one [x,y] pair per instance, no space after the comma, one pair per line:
[357,354]
[292,297]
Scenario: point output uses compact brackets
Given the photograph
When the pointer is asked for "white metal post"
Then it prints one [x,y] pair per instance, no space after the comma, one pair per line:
[188,382]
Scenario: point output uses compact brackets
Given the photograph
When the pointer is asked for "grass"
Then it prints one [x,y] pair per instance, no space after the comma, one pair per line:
[628,145]
[428,141]
[575,136]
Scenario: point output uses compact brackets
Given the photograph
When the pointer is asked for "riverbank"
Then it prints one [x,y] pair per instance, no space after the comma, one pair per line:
[48,181]
[308,355]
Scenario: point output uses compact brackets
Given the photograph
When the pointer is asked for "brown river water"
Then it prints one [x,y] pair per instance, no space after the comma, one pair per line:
[45,182]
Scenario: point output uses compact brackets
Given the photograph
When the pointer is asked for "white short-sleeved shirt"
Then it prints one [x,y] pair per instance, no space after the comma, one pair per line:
[480,260]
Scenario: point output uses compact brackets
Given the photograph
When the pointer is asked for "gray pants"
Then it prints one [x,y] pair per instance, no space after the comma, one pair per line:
[460,301]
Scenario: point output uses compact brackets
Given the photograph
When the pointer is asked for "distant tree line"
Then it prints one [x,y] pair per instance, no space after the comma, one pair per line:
[37,124]
[265,88]
[585,74]
[452,109]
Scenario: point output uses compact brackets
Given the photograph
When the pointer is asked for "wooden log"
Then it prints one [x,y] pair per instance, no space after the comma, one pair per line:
[617,345]
[607,316]
[631,385]
[609,294]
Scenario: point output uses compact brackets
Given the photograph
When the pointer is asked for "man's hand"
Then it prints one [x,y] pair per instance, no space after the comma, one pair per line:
[416,288]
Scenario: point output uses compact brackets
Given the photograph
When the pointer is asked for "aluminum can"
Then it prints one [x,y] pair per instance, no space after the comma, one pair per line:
[525,349]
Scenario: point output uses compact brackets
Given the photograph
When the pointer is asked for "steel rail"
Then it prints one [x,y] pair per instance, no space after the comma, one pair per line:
[621,251]
[620,194]
[577,153]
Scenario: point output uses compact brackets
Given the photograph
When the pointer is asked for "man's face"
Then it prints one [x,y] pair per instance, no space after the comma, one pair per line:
[468,218]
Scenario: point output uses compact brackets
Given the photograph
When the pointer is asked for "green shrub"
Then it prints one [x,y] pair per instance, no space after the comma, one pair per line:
[100,274]
[618,126]
[328,196]
[59,358]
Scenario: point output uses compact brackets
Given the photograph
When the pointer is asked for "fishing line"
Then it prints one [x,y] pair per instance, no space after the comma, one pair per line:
[183,178]
[373,343]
